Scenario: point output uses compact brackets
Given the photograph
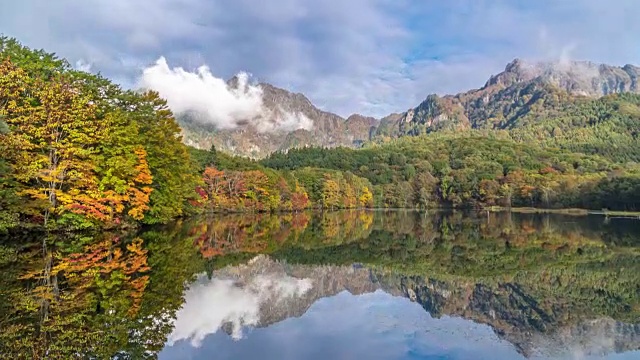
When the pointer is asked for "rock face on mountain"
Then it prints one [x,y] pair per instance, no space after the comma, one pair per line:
[577,77]
[290,120]
[511,94]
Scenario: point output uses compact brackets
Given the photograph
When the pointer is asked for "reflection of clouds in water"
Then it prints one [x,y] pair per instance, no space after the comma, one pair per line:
[394,327]
[209,304]
[368,326]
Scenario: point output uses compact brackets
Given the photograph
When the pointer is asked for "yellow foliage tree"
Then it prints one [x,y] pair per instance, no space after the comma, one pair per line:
[57,144]
[366,198]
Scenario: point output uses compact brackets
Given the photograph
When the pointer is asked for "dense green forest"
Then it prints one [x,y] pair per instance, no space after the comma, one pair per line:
[475,169]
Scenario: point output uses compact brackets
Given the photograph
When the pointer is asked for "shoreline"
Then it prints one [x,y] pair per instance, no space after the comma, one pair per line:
[20,228]
[567,211]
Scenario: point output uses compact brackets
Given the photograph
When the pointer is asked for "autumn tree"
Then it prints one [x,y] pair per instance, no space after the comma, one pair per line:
[366,198]
[168,159]
[215,184]
[299,198]
[69,162]
[330,193]
[53,141]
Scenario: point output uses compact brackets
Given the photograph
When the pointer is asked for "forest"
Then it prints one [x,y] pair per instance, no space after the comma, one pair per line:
[77,152]
[476,170]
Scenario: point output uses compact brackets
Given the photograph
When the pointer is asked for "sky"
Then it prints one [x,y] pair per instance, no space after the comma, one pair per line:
[371,57]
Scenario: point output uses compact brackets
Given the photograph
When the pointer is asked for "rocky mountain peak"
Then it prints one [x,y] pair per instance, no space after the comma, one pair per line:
[234,82]
[577,77]
[362,118]
[275,96]
[515,71]
[508,94]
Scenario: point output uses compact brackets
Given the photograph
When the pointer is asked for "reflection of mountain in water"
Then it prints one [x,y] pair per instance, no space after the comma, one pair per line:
[260,293]
[513,314]
[541,282]
[519,318]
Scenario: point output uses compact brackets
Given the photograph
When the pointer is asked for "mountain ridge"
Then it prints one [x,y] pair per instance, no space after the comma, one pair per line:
[327,129]
[521,88]
[508,95]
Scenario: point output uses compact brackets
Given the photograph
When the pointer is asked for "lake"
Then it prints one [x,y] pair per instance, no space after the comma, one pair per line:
[333,285]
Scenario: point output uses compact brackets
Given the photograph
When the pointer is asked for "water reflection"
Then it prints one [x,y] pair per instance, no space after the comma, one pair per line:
[212,303]
[336,285]
[370,326]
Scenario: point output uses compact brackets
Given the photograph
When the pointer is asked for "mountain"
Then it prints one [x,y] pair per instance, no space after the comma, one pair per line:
[577,77]
[289,120]
[547,102]
[544,89]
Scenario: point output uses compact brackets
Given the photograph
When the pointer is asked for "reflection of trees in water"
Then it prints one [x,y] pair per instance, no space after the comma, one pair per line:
[90,296]
[523,318]
[572,267]
[255,233]
[115,294]
[79,298]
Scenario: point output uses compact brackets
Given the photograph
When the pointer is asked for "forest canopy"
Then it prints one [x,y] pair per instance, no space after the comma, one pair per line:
[470,169]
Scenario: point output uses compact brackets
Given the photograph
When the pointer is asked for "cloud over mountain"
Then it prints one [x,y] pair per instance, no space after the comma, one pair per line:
[215,101]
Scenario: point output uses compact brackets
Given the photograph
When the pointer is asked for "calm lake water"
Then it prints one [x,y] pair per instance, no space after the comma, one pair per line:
[337,285]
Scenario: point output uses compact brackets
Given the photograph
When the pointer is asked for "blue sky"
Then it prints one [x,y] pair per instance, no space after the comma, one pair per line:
[367,56]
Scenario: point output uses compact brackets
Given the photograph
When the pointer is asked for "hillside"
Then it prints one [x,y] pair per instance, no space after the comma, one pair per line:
[520,89]
[578,106]
[474,169]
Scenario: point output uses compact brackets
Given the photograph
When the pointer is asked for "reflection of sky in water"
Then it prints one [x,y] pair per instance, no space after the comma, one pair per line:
[228,303]
[369,326]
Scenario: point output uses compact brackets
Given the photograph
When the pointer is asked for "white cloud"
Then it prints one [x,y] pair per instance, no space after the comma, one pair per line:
[285,121]
[225,106]
[367,56]
[209,304]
